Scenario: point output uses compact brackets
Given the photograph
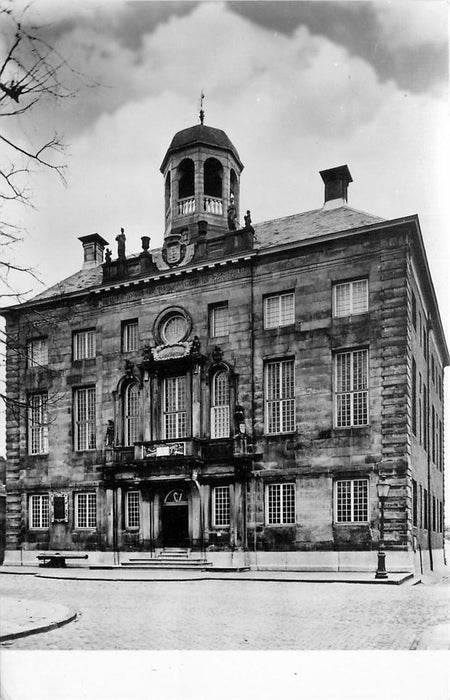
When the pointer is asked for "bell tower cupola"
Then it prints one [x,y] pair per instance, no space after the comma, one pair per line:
[201,172]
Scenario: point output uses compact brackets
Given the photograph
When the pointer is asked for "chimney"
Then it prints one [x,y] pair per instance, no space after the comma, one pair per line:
[93,247]
[336,184]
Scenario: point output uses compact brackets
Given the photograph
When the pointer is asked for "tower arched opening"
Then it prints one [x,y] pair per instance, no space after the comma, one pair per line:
[186,187]
[213,186]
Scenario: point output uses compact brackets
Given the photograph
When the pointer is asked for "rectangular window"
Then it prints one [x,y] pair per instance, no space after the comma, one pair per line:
[175,407]
[279,310]
[280,508]
[221,506]
[414,397]
[37,352]
[424,416]
[85,511]
[414,310]
[351,382]
[433,434]
[434,514]
[39,512]
[420,506]
[218,320]
[85,419]
[351,501]
[280,401]
[37,424]
[133,510]
[130,336]
[84,345]
[414,502]
[425,509]
[350,298]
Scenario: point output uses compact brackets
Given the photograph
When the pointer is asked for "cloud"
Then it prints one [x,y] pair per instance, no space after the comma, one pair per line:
[412,25]
[292,104]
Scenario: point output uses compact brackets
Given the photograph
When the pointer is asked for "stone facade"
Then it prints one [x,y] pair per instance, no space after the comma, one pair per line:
[240,392]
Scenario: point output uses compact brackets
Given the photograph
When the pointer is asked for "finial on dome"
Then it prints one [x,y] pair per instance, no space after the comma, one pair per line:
[202,113]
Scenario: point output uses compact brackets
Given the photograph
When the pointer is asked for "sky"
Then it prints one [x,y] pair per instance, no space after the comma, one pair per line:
[298,87]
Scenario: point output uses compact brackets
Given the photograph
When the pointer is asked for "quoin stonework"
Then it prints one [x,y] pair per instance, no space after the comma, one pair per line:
[236,396]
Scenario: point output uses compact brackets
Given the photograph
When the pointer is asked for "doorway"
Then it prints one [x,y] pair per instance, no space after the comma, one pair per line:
[175,519]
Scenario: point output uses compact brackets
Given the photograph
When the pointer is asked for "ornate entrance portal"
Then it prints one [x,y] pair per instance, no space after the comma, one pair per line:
[175,519]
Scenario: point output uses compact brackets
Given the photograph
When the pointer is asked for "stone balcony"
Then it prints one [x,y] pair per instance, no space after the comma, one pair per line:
[187,451]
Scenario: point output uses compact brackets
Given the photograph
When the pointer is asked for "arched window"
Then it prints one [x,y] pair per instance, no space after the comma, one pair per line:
[168,194]
[234,190]
[220,405]
[131,415]
[186,179]
[213,178]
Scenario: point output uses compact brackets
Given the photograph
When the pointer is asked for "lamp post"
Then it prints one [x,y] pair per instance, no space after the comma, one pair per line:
[382,490]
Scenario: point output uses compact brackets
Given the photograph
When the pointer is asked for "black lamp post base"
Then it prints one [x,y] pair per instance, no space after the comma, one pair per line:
[381,569]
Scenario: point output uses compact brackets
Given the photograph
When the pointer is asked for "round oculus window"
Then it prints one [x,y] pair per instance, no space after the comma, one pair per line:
[174,329]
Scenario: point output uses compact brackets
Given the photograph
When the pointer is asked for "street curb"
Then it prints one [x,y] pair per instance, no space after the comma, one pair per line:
[42,628]
[387,582]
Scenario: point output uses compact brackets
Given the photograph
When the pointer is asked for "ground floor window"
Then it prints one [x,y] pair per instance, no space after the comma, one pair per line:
[351,501]
[280,504]
[132,509]
[39,512]
[221,506]
[85,511]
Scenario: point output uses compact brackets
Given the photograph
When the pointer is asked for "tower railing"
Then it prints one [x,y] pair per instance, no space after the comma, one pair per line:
[213,205]
[186,206]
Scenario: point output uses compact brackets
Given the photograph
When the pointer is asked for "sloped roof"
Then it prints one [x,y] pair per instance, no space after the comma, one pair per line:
[310,224]
[206,135]
[287,229]
[83,279]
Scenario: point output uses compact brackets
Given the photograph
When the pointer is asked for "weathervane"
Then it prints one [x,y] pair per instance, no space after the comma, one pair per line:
[202,113]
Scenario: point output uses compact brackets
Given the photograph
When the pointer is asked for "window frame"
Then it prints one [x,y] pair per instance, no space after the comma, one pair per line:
[41,497]
[41,428]
[350,284]
[131,422]
[217,506]
[218,409]
[129,526]
[77,497]
[92,421]
[352,481]
[213,309]
[268,511]
[284,411]
[177,412]
[34,355]
[89,349]
[126,325]
[352,392]
[279,324]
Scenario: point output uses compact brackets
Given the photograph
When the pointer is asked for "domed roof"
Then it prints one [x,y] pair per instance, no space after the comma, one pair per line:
[200,134]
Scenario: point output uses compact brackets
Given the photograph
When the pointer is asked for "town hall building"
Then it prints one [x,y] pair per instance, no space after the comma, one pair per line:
[237,397]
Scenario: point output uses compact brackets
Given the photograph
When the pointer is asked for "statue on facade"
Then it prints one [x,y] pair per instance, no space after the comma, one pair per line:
[217,354]
[232,217]
[108,255]
[248,220]
[121,244]
[109,437]
[195,347]
[129,367]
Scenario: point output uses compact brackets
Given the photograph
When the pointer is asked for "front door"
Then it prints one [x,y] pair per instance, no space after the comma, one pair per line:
[175,511]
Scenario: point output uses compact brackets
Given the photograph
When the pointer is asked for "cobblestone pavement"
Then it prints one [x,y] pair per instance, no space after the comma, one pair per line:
[224,615]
